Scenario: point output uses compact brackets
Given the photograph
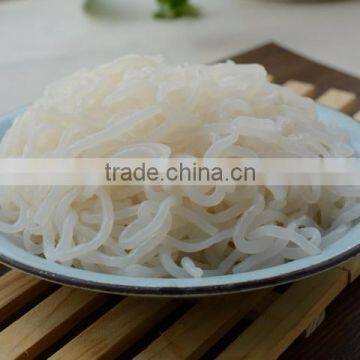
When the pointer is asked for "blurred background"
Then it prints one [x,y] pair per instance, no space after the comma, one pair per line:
[43,40]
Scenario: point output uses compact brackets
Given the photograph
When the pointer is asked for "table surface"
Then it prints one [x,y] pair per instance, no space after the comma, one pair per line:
[42,40]
[338,337]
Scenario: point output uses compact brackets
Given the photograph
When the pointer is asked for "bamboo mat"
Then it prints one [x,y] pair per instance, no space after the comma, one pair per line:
[42,320]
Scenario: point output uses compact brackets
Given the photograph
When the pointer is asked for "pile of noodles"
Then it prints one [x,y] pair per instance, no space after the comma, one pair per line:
[139,106]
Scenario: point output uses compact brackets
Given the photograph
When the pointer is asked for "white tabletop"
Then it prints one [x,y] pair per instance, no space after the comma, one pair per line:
[42,40]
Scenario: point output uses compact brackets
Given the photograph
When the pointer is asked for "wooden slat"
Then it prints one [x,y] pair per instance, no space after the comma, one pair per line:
[16,290]
[263,304]
[47,322]
[301,88]
[339,99]
[353,267]
[287,318]
[194,333]
[315,324]
[118,329]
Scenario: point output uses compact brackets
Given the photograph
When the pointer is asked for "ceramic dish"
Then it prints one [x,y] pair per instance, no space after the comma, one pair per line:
[343,249]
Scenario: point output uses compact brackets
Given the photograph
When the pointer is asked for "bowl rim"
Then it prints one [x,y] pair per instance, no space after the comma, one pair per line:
[179,291]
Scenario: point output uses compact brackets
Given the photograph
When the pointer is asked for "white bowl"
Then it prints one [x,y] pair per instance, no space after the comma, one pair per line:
[343,249]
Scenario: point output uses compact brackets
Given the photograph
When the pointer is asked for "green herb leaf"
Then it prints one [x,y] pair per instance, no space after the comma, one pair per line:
[170,9]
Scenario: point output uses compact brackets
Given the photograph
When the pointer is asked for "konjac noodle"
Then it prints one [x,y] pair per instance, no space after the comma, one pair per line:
[142,106]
